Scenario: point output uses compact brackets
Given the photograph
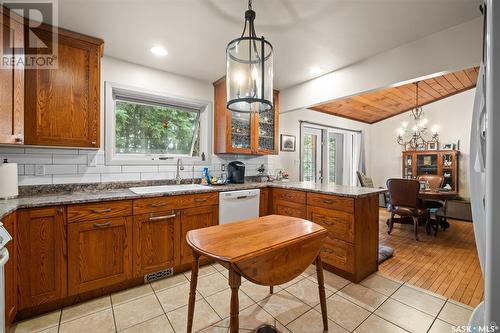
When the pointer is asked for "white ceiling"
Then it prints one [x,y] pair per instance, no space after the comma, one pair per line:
[305,33]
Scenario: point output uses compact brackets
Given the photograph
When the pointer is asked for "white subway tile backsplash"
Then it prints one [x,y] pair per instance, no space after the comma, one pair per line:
[70,159]
[64,166]
[139,168]
[28,159]
[61,169]
[52,151]
[100,169]
[35,180]
[11,150]
[70,179]
[119,177]
[157,176]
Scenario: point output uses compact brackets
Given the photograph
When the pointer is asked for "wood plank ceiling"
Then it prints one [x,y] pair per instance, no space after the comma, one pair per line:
[385,103]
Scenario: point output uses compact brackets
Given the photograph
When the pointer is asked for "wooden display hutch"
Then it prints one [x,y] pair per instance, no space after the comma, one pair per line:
[244,133]
[434,162]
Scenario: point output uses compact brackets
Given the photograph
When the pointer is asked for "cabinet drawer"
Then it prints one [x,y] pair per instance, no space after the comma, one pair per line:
[339,224]
[331,202]
[338,254]
[158,204]
[287,208]
[289,195]
[99,210]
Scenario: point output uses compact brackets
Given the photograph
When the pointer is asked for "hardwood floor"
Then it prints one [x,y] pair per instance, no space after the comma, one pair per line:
[447,264]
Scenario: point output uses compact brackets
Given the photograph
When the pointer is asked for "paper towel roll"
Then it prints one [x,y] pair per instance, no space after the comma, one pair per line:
[8,180]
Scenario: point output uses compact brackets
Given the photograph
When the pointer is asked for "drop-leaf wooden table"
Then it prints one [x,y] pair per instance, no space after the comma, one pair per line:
[269,250]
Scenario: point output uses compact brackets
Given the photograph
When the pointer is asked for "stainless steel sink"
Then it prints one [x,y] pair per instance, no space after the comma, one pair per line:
[166,188]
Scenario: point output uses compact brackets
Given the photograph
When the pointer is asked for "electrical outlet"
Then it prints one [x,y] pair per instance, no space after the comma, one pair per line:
[39,170]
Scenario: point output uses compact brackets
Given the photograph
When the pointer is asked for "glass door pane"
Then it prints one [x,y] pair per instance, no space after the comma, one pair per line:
[266,130]
[334,160]
[311,155]
[240,130]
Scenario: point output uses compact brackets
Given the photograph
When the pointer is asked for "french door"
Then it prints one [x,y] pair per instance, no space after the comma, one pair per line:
[321,155]
[311,143]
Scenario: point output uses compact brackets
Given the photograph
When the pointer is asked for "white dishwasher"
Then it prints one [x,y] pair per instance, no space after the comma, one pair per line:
[236,206]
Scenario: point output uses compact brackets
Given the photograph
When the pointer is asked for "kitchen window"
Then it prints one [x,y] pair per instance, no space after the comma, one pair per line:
[151,128]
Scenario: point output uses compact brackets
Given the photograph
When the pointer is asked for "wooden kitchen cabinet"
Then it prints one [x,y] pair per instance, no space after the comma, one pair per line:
[41,255]
[351,248]
[62,105]
[244,133]
[191,219]
[11,84]
[10,271]
[289,203]
[99,253]
[155,241]
[264,202]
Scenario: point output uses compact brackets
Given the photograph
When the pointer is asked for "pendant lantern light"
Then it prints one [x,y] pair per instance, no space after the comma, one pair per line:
[249,71]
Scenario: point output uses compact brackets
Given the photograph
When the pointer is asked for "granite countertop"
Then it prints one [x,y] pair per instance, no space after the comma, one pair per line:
[41,200]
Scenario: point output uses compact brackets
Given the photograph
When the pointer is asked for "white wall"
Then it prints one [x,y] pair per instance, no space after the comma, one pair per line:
[289,124]
[88,166]
[453,115]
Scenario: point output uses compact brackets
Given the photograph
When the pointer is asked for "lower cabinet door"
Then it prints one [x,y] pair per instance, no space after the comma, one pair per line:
[287,208]
[99,253]
[154,241]
[41,255]
[191,219]
[264,202]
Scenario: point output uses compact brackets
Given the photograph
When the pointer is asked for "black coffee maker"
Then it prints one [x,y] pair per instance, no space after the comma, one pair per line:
[236,172]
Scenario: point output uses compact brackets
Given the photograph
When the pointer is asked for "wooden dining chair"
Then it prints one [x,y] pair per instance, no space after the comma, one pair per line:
[405,202]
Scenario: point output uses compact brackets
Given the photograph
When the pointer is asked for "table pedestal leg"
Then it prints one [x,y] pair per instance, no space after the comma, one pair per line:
[271,290]
[321,288]
[192,291]
[234,283]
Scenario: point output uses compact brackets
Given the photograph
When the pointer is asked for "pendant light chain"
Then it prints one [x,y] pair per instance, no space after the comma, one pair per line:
[250,4]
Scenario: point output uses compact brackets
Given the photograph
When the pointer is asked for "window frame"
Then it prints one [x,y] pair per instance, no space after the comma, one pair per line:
[114,92]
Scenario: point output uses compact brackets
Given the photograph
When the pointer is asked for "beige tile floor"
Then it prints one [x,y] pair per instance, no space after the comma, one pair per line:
[377,304]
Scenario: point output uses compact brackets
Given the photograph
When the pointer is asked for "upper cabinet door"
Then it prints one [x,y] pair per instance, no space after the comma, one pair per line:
[267,129]
[62,104]
[11,84]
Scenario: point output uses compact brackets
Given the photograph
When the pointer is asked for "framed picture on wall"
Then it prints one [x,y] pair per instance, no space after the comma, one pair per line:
[448,146]
[432,146]
[287,142]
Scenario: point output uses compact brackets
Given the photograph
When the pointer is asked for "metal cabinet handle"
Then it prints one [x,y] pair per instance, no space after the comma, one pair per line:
[327,201]
[160,204]
[94,143]
[60,211]
[100,211]
[165,217]
[102,225]
[199,200]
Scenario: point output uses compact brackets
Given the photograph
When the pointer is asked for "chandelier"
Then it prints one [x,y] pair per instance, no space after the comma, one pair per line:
[417,136]
[249,70]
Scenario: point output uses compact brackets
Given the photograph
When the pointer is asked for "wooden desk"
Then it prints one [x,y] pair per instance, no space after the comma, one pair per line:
[437,195]
[269,250]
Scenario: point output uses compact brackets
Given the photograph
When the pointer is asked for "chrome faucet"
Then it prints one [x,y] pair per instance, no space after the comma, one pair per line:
[180,166]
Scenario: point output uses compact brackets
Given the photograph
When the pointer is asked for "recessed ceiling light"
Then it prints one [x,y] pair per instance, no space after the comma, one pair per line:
[159,51]
[315,70]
